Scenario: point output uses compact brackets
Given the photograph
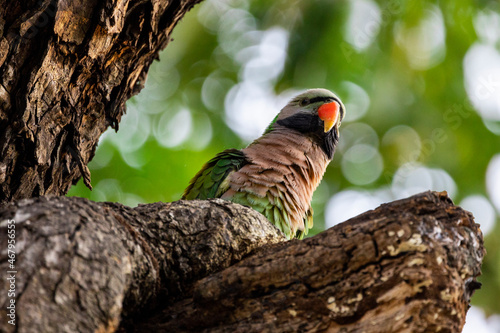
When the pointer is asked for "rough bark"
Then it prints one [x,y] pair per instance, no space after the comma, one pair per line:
[66,69]
[83,265]
[407,266]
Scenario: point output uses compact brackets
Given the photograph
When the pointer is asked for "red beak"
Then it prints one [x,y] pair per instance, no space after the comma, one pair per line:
[329,113]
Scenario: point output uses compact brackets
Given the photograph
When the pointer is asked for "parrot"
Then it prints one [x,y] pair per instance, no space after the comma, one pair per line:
[277,173]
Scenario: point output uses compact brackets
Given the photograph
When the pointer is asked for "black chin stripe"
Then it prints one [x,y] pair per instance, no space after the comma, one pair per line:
[329,142]
[311,126]
[302,122]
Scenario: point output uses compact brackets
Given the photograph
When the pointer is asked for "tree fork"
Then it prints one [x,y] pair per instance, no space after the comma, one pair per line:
[407,266]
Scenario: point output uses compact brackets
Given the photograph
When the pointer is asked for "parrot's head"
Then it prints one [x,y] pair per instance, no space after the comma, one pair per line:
[316,113]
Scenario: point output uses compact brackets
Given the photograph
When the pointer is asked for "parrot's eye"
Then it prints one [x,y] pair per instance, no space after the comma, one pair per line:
[304,102]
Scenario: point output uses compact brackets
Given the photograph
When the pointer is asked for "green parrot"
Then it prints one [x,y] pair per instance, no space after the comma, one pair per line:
[277,173]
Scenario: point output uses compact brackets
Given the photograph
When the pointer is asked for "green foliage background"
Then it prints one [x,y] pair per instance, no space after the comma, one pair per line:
[400,68]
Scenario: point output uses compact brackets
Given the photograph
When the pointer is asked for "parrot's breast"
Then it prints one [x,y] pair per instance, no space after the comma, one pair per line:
[283,170]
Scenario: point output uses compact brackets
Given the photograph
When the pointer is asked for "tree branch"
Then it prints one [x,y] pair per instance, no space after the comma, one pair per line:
[83,265]
[409,265]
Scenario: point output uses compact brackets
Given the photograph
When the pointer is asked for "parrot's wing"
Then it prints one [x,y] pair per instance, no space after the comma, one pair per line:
[209,181]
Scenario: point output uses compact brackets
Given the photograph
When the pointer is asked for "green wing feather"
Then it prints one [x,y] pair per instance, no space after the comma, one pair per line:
[208,182]
[308,224]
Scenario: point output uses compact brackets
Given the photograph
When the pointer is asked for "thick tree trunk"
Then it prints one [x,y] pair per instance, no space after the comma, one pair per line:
[408,266]
[66,69]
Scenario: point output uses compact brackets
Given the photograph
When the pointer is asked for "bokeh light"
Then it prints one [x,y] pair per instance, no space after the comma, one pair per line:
[172,130]
[355,99]
[412,178]
[355,134]
[250,104]
[477,322]
[349,203]
[482,69]
[424,44]
[362,164]
[493,181]
[404,143]
[137,129]
[483,211]
[363,24]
